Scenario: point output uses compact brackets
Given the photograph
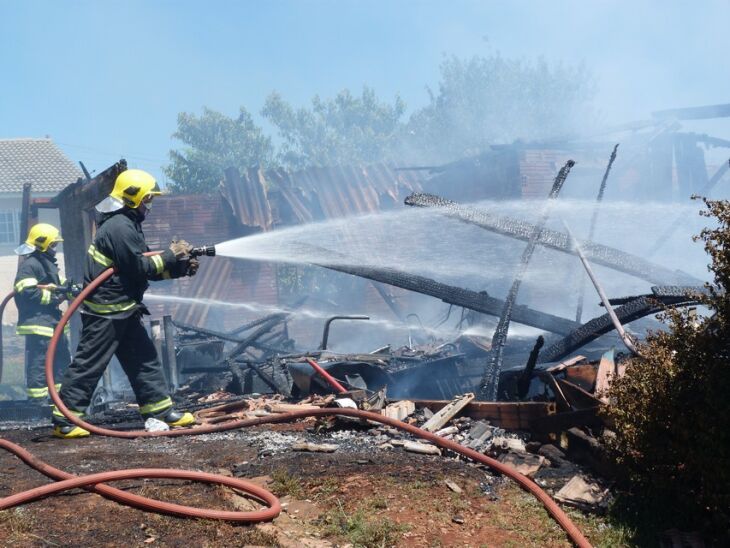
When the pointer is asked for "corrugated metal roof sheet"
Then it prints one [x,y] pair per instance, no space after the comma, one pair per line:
[265,199]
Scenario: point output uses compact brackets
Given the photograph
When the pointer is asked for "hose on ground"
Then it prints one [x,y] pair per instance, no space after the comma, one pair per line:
[94,481]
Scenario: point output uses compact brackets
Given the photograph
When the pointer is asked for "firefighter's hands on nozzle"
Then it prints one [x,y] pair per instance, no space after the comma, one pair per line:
[180,248]
[193,267]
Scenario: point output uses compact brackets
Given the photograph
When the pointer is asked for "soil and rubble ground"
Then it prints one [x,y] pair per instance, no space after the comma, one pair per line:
[364,494]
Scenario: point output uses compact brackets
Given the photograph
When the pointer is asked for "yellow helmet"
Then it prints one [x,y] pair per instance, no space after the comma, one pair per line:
[130,188]
[40,237]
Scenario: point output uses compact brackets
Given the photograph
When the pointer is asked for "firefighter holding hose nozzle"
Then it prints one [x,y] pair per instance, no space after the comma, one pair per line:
[39,289]
[112,316]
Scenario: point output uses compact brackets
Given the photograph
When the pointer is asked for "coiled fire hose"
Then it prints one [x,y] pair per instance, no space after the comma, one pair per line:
[95,482]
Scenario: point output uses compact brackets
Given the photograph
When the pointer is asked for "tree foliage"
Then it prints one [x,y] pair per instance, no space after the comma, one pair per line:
[488,100]
[345,130]
[215,142]
[480,101]
[671,409]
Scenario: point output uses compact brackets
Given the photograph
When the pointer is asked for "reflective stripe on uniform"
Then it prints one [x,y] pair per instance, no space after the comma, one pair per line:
[20,285]
[159,263]
[99,257]
[110,308]
[37,392]
[42,330]
[45,296]
[155,407]
[59,414]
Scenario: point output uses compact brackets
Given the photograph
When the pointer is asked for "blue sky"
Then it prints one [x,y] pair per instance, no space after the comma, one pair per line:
[106,79]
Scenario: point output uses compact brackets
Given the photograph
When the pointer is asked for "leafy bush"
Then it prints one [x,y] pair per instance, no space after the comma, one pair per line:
[670,411]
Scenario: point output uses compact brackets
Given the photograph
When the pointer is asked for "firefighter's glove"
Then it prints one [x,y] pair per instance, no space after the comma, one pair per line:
[181,249]
[193,266]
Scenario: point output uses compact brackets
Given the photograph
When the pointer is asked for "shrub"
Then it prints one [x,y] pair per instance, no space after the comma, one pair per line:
[670,411]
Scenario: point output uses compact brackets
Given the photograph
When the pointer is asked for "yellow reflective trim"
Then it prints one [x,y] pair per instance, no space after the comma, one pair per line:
[59,414]
[154,407]
[45,296]
[57,386]
[159,263]
[63,280]
[20,285]
[110,308]
[99,257]
[37,392]
[42,330]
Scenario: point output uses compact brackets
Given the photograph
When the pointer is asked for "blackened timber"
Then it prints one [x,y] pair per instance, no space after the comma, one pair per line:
[523,383]
[253,337]
[473,300]
[592,230]
[490,379]
[514,228]
[633,310]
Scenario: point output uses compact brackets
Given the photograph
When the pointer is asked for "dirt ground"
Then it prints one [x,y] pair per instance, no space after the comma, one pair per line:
[356,496]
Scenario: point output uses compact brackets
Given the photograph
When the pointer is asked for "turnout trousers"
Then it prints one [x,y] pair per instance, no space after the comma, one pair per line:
[36,347]
[101,338]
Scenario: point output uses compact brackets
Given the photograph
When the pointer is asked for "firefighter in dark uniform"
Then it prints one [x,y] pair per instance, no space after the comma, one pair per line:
[112,316]
[38,312]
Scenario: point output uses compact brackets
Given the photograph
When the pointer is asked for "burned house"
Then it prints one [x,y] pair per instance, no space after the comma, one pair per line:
[656,159]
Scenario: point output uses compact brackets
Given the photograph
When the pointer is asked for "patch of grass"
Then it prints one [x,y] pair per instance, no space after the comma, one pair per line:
[600,530]
[359,529]
[284,483]
[16,521]
[15,527]
[378,503]
[459,503]
[418,484]
[325,489]
[256,537]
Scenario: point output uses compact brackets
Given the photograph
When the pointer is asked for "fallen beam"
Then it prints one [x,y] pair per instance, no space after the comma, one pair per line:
[633,310]
[552,239]
[466,298]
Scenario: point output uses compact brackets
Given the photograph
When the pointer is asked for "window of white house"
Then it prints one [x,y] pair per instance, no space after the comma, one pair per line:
[9,226]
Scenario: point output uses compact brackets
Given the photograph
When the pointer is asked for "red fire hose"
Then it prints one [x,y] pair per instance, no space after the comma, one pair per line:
[3,304]
[326,376]
[94,482]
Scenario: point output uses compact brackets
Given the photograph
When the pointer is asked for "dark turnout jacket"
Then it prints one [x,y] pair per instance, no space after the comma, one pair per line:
[120,243]
[38,312]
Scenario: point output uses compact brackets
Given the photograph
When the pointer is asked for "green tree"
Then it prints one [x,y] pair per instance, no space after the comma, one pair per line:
[489,100]
[345,130]
[215,142]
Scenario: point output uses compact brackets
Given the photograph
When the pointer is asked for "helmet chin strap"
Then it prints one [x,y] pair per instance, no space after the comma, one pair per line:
[142,211]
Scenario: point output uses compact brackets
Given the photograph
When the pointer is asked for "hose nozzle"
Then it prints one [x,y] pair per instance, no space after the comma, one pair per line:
[207,250]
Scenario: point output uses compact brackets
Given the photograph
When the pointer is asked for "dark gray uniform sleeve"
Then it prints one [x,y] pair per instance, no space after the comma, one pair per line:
[128,248]
[26,283]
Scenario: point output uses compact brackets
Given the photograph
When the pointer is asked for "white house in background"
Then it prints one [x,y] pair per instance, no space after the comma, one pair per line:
[41,163]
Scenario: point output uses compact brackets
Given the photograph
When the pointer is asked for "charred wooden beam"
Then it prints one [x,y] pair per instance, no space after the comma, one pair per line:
[473,300]
[633,310]
[490,379]
[592,230]
[514,228]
